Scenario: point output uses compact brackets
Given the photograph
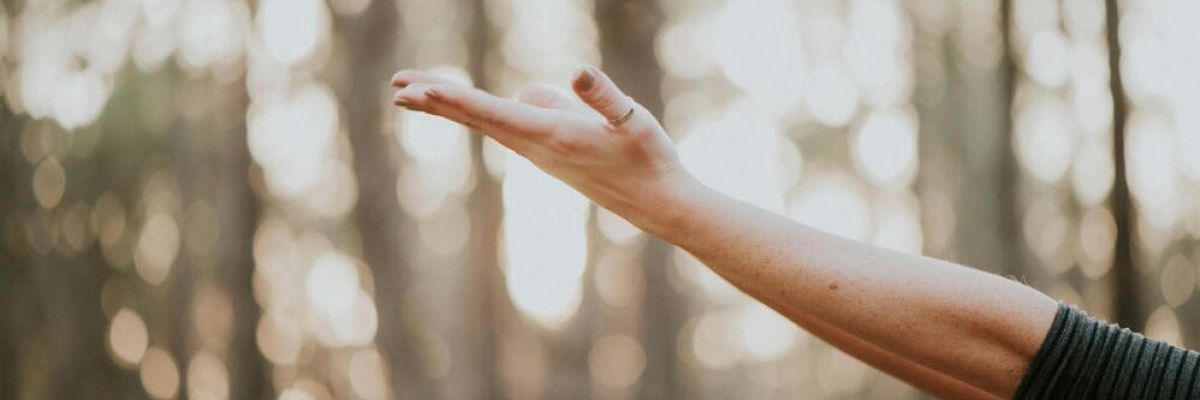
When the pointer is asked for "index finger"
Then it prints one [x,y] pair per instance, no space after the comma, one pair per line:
[406,77]
[498,117]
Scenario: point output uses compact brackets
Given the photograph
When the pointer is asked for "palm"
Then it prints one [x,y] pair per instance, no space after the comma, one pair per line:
[571,141]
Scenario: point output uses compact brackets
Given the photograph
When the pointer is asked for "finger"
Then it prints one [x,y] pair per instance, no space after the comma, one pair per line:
[601,94]
[410,76]
[546,96]
[495,112]
[413,97]
[494,116]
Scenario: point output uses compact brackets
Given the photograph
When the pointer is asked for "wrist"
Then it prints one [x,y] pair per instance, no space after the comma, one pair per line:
[667,208]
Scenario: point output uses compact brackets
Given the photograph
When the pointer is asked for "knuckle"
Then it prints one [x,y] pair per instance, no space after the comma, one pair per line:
[488,118]
[638,139]
[604,99]
[555,141]
[641,132]
[449,99]
[561,143]
[562,129]
[559,127]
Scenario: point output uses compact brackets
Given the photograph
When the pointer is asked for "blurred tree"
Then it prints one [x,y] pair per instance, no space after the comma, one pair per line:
[484,291]
[238,209]
[13,255]
[177,132]
[369,40]
[628,29]
[965,142]
[1127,309]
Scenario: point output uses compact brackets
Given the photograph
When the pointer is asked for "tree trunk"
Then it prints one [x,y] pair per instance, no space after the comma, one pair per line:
[628,29]
[10,126]
[369,39]
[485,292]
[237,207]
[1127,309]
[966,151]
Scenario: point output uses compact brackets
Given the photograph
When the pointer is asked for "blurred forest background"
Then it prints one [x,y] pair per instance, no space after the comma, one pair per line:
[214,199]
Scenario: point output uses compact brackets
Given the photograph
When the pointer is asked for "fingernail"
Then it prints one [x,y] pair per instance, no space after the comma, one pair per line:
[584,80]
[407,106]
[433,94]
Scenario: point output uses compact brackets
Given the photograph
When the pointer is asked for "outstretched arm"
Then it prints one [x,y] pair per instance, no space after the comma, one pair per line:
[947,329]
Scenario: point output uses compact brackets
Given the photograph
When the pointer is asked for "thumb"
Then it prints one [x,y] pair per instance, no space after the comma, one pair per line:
[601,94]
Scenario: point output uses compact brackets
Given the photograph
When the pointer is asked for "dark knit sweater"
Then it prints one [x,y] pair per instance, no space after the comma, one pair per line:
[1083,358]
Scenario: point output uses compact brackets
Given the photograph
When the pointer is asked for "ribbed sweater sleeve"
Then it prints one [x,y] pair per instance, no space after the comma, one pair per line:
[1084,358]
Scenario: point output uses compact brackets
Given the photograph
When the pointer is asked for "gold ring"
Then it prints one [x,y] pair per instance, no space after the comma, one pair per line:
[620,120]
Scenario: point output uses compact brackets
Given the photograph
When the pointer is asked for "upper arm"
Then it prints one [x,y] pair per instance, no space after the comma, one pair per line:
[1083,358]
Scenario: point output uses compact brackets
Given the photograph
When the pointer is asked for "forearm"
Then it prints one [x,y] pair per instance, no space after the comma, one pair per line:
[919,376]
[977,327]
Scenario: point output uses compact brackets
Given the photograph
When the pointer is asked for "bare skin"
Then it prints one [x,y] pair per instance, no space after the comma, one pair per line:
[949,330]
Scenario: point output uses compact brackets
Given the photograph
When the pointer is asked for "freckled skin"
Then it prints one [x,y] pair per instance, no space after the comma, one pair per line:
[952,331]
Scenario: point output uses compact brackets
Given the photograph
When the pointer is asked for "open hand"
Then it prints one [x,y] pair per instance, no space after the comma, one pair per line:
[611,150]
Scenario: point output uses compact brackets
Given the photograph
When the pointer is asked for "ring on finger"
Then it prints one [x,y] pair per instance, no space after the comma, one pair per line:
[615,122]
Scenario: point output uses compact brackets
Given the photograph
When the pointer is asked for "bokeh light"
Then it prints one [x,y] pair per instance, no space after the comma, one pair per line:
[226,199]
[207,378]
[833,205]
[157,247]
[831,96]
[737,155]
[292,136]
[616,361]
[160,375]
[368,376]
[128,337]
[291,29]
[886,148]
[545,233]
[758,46]
[1044,140]
[545,243]
[49,183]
[764,334]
